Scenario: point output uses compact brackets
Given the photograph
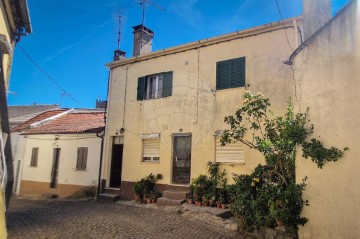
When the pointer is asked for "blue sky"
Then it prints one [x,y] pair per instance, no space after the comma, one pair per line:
[72,40]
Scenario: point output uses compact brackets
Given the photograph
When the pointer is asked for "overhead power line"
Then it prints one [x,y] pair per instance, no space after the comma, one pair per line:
[47,75]
[282,21]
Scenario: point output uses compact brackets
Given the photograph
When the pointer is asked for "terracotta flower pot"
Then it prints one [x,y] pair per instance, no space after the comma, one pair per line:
[218,205]
[136,197]
[205,204]
[148,200]
[197,203]
[223,206]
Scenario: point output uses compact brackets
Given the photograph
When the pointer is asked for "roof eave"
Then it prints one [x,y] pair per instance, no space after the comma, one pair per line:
[209,41]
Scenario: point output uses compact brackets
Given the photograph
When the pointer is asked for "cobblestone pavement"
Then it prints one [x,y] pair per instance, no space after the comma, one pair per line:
[88,219]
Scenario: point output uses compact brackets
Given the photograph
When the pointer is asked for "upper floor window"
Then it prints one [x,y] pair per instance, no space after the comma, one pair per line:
[230,73]
[154,86]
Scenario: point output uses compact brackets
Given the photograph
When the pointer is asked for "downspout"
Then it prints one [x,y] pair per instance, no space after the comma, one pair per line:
[102,140]
[100,166]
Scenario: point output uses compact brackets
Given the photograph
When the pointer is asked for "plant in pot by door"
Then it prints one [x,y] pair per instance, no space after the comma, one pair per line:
[138,189]
[197,199]
[206,199]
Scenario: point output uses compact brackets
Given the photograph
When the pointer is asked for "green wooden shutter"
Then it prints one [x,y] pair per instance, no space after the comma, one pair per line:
[167,84]
[222,75]
[238,72]
[141,88]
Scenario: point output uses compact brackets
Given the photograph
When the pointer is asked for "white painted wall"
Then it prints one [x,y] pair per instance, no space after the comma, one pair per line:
[67,173]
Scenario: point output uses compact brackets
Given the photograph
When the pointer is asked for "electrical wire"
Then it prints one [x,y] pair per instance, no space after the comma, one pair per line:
[47,75]
[282,21]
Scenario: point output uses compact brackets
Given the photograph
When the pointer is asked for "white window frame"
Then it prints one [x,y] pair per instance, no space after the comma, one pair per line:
[154,86]
[230,153]
[154,154]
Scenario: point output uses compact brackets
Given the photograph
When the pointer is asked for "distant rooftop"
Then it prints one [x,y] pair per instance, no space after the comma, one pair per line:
[77,122]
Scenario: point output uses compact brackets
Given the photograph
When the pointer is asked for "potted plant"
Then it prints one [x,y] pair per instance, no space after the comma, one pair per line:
[138,189]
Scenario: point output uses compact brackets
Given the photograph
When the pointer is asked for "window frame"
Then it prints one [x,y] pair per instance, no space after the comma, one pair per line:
[152,158]
[240,157]
[160,81]
[34,157]
[235,75]
[81,159]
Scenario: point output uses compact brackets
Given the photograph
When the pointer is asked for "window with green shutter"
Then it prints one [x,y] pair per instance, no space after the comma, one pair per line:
[230,73]
[154,86]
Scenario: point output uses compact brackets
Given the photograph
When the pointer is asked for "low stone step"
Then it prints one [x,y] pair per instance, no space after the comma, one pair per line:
[115,191]
[107,197]
[163,201]
[176,195]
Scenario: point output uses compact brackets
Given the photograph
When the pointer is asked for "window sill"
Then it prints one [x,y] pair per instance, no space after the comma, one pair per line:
[150,162]
[231,88]
[232,163]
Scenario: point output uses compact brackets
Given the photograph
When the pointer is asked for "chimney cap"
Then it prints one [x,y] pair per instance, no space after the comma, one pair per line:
[140,27]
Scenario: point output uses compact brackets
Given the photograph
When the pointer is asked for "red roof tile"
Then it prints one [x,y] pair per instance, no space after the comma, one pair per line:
[39,117]
[81,122]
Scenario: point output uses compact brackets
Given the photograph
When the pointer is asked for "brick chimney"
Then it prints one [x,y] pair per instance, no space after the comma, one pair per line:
[142,40]
[316,14]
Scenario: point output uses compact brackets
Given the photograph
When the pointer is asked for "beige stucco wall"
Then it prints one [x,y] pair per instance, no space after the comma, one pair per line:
[327,75]
[194,69]
[67,174]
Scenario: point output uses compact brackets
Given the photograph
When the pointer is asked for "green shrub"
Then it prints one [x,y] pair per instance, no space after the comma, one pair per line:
[270,195]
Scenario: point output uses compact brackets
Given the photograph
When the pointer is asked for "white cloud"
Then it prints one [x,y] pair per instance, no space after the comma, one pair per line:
[187,11]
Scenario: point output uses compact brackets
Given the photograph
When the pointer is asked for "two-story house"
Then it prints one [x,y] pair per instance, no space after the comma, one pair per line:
[166,108]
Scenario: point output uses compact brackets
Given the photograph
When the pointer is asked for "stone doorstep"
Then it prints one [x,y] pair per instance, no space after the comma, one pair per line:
[223,213]
[107,197]
[176,195]
[163,201]
[115,191]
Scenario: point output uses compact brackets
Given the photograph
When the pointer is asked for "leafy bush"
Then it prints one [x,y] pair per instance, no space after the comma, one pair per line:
[147,185]
[269,195]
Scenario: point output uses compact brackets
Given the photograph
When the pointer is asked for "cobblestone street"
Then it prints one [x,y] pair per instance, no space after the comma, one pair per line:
[88,219]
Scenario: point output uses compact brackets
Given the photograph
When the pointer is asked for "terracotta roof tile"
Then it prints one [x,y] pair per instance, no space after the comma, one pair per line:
[40,117]
[78,122]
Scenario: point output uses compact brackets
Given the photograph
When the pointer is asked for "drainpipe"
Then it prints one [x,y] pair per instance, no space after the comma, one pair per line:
[102,138]
[100,135]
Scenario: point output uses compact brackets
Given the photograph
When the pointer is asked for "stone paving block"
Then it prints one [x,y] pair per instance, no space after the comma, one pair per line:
[88,219]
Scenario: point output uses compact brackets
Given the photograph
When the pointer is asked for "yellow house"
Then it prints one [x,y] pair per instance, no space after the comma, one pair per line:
[14,23]
[327,79]
[59,153]
[166,108]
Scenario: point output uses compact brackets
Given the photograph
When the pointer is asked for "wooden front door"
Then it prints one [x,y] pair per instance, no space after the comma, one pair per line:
[181,159]
[55,168]
[116,166]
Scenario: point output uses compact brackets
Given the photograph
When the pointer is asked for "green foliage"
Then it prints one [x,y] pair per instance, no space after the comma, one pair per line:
[147,185]
[86,192]
[205,188]
[270,193]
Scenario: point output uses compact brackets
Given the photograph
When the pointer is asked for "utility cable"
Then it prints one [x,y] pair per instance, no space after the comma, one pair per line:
[47,75]
[282,21]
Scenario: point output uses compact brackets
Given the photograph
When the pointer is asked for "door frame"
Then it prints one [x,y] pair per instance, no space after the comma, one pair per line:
[172,156]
